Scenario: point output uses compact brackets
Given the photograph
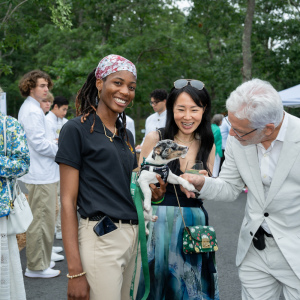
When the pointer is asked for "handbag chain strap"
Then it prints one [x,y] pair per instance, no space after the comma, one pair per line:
[180,210]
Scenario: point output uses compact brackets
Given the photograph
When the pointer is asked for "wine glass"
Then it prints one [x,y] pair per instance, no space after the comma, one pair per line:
[194,166]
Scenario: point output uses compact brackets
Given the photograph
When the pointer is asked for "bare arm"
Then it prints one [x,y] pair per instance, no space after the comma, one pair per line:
[211,159]
[150,141]
[78,288]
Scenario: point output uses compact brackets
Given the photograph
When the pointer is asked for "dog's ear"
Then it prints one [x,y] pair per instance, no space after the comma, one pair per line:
[156,151]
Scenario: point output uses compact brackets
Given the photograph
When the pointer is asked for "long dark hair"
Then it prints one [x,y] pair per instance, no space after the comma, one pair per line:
[87,101]
[201,98]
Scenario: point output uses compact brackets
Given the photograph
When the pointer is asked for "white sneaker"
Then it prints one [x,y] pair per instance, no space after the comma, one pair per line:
[48,273]
[58,235]
[56,257]
[57,249]
[52,264]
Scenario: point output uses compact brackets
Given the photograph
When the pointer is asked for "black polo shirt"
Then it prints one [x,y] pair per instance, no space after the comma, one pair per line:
[104,167]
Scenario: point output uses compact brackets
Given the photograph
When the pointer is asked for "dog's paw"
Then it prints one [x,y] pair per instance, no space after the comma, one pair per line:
[188,186]
[154,218]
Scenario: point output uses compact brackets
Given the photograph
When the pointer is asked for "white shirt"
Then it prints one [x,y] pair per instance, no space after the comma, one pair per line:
[42,151]
[224,132]
[155,121]
[55,124]
[130,126]
[268,160]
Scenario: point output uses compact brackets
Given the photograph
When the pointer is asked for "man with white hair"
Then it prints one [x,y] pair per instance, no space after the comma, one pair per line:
[263,152]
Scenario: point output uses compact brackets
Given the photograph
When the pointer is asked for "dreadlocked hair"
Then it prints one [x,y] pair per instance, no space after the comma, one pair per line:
[87,99]
[122,116]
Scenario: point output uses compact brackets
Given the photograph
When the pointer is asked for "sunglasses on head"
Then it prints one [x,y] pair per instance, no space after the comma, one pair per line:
[181,83]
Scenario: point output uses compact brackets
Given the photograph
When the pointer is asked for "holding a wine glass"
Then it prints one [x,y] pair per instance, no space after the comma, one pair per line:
[187,123]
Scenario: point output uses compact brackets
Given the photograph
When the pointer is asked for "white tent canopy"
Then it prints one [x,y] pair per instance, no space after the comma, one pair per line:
[291,97]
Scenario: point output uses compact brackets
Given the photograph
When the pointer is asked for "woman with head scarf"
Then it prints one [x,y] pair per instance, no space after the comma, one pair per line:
[96,156]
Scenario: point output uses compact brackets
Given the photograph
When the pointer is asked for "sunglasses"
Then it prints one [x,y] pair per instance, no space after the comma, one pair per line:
[181,83]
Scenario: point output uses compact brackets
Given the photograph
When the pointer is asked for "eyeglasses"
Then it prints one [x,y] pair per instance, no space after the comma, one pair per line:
[240,136]
[181,83]
[154,102]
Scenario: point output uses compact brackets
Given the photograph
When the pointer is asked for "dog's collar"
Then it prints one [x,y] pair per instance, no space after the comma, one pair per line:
[144,163]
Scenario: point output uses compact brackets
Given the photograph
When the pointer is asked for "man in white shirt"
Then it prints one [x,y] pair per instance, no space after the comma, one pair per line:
[55,121]
[262,152]
[158,119]
[56,116]
[41,180]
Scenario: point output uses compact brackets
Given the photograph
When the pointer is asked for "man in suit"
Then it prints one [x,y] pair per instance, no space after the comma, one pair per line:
[263,152]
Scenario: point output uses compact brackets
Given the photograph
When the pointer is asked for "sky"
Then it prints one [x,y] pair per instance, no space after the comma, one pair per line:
[183,4]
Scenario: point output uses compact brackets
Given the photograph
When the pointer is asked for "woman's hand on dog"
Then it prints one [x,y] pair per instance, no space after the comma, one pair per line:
[158,193]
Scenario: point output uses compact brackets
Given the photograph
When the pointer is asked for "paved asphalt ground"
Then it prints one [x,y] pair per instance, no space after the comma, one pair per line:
[226,219]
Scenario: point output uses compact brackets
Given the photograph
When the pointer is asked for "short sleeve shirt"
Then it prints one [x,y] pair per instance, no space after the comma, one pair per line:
[105,167]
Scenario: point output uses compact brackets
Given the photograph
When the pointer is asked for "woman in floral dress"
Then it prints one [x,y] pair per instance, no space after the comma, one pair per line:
[12,165]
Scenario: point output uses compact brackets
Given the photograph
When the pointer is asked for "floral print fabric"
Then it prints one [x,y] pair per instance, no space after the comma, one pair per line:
[15,163]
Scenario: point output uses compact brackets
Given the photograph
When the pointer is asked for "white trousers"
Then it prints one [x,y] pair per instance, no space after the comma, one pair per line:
[265,274]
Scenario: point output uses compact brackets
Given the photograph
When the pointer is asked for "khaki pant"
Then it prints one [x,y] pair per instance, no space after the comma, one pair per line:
[266,273]
[57,211]
[110,260]
[40,234]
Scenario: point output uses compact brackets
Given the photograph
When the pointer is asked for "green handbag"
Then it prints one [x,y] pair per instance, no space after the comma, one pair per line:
[197,239]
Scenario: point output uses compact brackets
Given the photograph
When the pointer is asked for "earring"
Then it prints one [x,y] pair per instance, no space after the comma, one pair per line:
[131,105]
[98,95]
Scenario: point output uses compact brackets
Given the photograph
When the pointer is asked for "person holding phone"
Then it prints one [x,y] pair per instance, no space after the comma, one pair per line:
[96,156]
[175,275]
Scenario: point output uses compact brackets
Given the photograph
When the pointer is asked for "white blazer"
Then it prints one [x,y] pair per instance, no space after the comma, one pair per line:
[281,209]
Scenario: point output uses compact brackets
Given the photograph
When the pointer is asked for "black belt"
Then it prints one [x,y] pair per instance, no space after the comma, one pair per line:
[99,217]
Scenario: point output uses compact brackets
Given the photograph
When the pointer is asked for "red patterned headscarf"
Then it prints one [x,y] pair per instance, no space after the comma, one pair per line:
[114,63]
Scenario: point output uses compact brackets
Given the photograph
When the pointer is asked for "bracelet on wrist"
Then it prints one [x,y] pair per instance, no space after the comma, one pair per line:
[159,201]
[75,276]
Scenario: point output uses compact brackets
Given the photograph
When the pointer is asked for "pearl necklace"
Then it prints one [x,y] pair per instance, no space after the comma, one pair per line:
[189,142]
[110,137]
